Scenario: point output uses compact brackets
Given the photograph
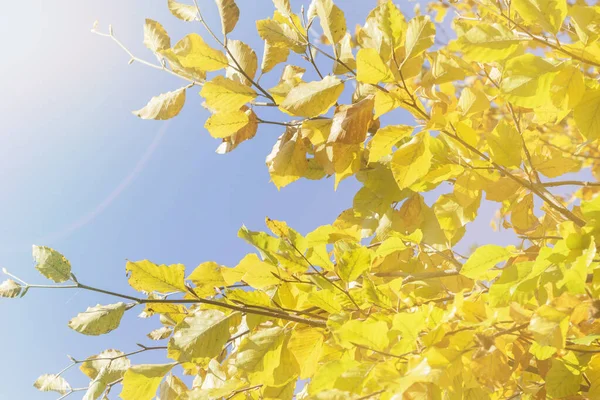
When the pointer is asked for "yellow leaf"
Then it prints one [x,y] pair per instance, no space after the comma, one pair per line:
[201,336]
[113,362]
[98,320]
[155,36]
[316,130]
[332,20]
[247,132]
[562,381]
[345,61]
[587,115]
[371,68]
[245,57]
[486,43]
[260,353]
[9,289]
[146,276]
[553,163]
[306,345]
[172,388]
[473,101]
[283,6]
[313,98]
[504,143]
[420,35]
[52,383]
[182,11]
[51,264]
[527,80]
[230,13]
[411,161]
[351,122]
[550,14]
[160,333]
[352,261]
[287,161]
[522,217]
[224,94]
[258,274]
[273,55]
[568,88]
[325,300]
[226,123]
[140,382]
[365,333]
[280,34]
[193,52]
[163,106]
[483,259]
[206,277]
[386,138]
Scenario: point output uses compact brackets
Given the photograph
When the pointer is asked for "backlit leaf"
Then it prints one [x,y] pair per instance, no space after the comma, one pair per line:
[483,259]
[201,335]
[224,94]
[230,13]
[313,98]
[163,106]
[193,52]
[9,289]
[155,36]
[52,383]
[411,161]
[99,319]
[51,264]
[145,276]
[140,382]
[182,11]
[587,115]
[371,68]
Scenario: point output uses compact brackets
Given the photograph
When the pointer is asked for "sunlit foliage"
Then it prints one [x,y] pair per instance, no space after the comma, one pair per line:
[379,304]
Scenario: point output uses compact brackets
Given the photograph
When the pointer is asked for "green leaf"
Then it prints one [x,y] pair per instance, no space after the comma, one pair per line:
[52,264]
[98,320]
[140,382]
[483,259]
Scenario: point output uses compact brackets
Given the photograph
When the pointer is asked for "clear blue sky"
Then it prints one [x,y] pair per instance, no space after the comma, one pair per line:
[83,175]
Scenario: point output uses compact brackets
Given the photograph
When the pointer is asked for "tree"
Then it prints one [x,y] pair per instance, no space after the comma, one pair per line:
[379,304]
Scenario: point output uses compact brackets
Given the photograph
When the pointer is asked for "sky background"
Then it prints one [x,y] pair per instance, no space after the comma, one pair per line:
[81,174]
